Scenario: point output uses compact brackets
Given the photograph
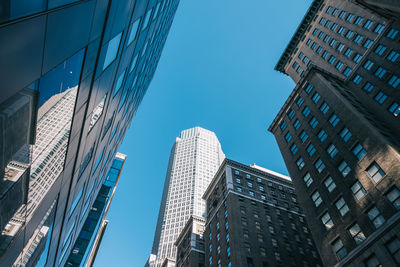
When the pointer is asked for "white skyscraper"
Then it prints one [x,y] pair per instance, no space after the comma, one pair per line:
[195,158]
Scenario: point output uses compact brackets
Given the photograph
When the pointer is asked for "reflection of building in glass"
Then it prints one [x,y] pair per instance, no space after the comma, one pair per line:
[66,103]
[195,157]
[86,246]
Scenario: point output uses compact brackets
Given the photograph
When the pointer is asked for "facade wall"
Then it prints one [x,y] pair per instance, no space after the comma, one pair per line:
[253,219]
[86,65]
[331,170]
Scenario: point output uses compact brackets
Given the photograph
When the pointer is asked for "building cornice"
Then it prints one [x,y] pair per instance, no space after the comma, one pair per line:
[301,29]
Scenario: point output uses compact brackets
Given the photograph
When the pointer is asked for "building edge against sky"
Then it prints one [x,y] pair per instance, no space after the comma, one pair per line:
[71,89]
[338,131]
[195,157]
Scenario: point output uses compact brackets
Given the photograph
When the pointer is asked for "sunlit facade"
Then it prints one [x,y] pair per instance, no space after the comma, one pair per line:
[195,157]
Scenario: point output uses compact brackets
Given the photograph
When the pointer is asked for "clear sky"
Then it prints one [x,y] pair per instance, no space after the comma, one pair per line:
[217,72]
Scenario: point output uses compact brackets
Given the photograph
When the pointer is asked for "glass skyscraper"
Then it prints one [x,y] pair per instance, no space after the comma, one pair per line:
[194,160]
[73,73]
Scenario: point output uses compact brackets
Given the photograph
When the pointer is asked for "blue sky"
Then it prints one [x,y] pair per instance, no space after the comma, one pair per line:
[216,71]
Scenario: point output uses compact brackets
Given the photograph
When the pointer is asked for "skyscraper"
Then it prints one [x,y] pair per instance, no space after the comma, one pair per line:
[195,157]
[339,130]
[73,74]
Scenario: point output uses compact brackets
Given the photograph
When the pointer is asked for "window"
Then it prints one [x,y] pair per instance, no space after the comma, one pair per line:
[319,49]
[347,71]
[307,179]
[146,19]
[345,134]
[394,248]
[300,163]
[315,32]
[333,43]
[340,47]
[321,33]
[380,97]
[334,120]
[379,28]
[325,54]
[368,64]
[375,172]
[305,59]
[359,151]
[341,30]
[112,50]
[313,122]
[368,87]
[324,108]
[329,184]
[291,114]
[283,126]
[357,58]
[332,59]
[358,20]
[339,249]
[300,102]
[335,12]
[357,79]
[368,24]
[358,39]
[319,165]
[326,38]
[288,137]
[296,124]
[380,50]
[394,109]
[358,190]
[392,33]
[301,54]
[85,162]
[376,217]
[394,81]
[97,112]
[322,135]
[314,44]
[328,24]
[342,14]
[293,149]
[303,136]
[76,201]
[133,32]
[368,43]
[344,168]
[308,89]
[316,98]
[308,42]
[349,34]
[342,206]
[350,17]
[294,65]
[348,52]
[311,149]
[306,111]
[316,198]
[393,56]
[328,9]
[356,233]
[332,150]
[334,27]
[380,72]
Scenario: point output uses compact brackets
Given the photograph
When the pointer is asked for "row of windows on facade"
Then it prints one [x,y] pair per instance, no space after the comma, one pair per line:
[345,134]
[261,181]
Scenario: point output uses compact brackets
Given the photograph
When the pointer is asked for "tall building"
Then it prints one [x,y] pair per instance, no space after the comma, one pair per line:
[195,157]
[73,75]
[253,219]
[338,130]
[190,244]
[88,242]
